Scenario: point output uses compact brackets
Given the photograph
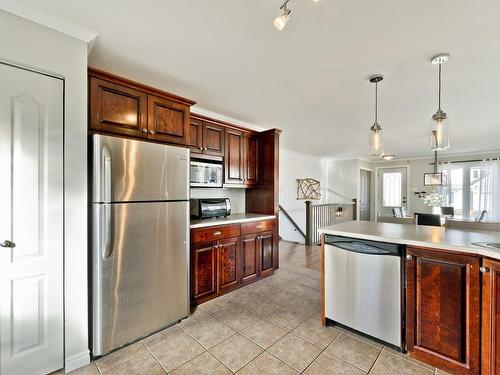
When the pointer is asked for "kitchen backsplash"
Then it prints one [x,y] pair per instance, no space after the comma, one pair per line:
[237,196]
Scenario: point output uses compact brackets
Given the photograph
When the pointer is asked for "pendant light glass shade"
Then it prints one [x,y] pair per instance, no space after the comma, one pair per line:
[376,141]
[439,130]
[376,135]
[439,126]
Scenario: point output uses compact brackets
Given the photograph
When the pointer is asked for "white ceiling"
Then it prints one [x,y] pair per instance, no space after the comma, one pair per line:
[311,79]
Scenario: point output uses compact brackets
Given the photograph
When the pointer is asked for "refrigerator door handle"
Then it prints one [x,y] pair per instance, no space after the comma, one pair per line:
[106,172]
[107,232]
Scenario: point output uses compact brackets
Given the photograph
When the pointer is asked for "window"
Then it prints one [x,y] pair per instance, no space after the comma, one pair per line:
[473,188]
[392,190]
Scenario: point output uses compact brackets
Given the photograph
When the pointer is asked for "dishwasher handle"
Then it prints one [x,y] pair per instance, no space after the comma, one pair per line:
[362,248]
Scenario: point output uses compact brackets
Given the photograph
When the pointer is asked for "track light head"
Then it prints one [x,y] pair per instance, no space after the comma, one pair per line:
[280,21]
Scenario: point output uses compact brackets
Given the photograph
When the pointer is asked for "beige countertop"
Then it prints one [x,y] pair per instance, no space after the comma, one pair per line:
[231,219]
[459,240]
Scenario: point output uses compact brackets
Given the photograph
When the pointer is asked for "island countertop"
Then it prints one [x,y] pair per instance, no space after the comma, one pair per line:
[231,219]
[459,240]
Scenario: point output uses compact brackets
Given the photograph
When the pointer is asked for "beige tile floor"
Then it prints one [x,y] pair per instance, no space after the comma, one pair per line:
[270,327]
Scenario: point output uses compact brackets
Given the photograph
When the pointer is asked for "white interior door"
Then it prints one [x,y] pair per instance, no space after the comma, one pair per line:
[391,190]
[31,217]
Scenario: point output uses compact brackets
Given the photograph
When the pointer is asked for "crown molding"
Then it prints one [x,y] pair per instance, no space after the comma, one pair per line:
[218,116]
[48,20]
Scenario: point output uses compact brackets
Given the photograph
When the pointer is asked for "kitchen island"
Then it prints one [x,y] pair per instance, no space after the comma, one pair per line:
[449,291]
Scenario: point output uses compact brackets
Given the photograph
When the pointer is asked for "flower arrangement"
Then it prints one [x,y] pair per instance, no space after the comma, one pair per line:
[434,199]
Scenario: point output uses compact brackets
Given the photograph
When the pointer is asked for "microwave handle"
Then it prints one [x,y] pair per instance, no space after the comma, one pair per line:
[228,206]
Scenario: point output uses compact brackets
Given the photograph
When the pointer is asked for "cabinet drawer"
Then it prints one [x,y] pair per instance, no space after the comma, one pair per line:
[257,226]
[214,233]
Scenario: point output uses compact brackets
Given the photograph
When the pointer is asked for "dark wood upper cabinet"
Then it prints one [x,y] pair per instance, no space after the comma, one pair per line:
[490,318]
[249,257]
[203,270]
[120,106]
[196,136]
[234,157]
[213,139]
[117,108]
[228,256]
[168,121]
[267,253]
[250,157]
[442,309]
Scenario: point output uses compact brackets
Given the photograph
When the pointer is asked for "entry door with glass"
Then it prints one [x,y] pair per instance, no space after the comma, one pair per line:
[391,191]
[31,222]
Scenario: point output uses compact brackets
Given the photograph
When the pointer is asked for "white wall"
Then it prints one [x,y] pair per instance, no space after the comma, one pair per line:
[295,165]
[30,44]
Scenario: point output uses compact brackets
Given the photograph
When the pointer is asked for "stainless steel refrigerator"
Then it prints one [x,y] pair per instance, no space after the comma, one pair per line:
[140,240]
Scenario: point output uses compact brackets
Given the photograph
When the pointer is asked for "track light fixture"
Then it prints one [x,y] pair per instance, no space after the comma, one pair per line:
[280,21]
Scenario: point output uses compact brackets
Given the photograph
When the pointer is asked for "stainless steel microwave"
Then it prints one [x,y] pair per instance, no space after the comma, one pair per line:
[205,174]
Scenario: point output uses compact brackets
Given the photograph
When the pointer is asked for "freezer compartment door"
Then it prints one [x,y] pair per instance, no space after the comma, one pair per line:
[126,170]
[140,277]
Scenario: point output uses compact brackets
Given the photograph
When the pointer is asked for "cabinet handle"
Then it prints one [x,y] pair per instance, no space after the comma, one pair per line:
[217,233]
[409,257]
[151,132]
[259,227]
[144,130]
[483,269]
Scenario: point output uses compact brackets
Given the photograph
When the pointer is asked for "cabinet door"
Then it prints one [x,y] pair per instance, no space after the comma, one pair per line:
[213,139]
[227,253]
[442,309]
[490,318]
[266,253]
[203,270]
[196,136]
[234,157]
[118,109]
[250,158]
[249,257]
[168,121]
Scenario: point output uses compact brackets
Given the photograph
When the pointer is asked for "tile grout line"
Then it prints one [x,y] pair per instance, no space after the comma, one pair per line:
[413,363]
[156,359]
[376,360]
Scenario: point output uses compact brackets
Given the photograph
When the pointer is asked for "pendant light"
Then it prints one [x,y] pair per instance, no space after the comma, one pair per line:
[376,133]
[439,126]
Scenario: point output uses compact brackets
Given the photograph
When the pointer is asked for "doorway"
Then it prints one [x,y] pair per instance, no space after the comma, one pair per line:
[31,222]
[391,190]
[365,194]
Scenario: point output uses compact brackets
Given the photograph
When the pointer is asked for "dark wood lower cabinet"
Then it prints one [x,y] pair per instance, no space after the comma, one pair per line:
[222,259]
[249,258]
[228,260]
[442,309]
[490,318]
[266,249]
[203,270]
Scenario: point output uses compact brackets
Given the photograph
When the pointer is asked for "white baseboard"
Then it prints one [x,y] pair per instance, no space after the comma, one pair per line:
[77,361]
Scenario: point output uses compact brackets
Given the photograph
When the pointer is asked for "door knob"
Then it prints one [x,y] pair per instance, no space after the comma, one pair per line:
[151,132]
[409,257]
[144,130]
[7,243]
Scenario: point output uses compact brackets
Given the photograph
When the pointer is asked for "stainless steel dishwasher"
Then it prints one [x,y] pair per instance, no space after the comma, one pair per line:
[363,287]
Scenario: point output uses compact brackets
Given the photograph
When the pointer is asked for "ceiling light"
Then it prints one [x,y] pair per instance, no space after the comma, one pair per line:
[439,138]
[282,19]
[389,156]
[376,133]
